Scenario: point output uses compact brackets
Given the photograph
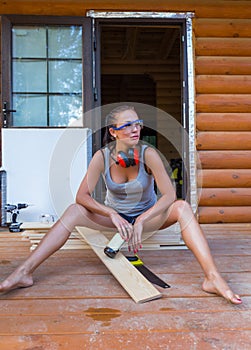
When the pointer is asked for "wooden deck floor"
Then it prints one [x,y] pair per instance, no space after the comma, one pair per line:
[76,303]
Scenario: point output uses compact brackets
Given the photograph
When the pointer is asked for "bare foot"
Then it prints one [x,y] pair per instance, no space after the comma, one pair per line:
[217,285]
[17,279]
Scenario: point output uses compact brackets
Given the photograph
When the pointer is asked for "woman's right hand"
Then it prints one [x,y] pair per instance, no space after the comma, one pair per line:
[125,229]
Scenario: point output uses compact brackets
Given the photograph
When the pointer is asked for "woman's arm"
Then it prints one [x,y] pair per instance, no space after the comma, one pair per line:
[84,198]
[163,182]
[88,184]
[168,196]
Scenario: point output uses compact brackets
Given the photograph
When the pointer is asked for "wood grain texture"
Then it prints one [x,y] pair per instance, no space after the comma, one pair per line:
[221,65]
[221,214]
[232,140]
[202,8]
[222,84]
[225,159]
[72,305]
[222,27]
[136,285]
[223,121]
[235,103]
[223,46]
[225,197]
[224,178]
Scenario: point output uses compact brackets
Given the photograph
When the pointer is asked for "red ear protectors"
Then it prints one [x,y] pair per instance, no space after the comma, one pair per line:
[129,159]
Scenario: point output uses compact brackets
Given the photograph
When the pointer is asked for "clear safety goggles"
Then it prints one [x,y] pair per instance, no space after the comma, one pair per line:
[129,126]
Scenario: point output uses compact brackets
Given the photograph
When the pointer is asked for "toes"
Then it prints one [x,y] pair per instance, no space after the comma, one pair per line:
[233,298]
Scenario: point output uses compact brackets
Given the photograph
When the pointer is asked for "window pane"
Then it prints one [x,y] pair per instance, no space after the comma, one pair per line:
[22,73]
[64,110]
[47,75]
[29,42]
[65,76]
[65,42]
[31,110]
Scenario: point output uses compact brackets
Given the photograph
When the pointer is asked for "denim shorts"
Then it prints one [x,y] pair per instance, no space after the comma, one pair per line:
[130,219]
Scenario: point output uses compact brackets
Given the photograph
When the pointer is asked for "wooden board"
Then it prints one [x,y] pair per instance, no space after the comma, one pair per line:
[30,225]
[136,285]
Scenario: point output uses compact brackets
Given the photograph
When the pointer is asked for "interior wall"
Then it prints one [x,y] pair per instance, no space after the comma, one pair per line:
[133,59]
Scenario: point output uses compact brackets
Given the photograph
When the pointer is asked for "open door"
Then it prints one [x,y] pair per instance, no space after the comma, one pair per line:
[142,60]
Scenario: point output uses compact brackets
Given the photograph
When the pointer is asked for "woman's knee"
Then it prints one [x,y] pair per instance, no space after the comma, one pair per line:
[74,214]
[180,208]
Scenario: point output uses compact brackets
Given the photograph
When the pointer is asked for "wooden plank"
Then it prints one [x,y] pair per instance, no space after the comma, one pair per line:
[223,84]
[36,225]
[223,121]
[225,159]
[234,214]
[233,103]
[206,340]
[222,65]
[137,286]
[224,178]
[223,140]
[225,197]
[202,8]
[220,27]
[223,47]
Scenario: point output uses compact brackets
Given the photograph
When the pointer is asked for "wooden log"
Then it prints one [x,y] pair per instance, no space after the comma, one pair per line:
[224,178]
[236,103]
[223,121]
[225,159]
[223,47]
[222,65]
[209,9]
[220,27]
[136,285]
[225,197]
[213,215]
[223,140]
[222,84]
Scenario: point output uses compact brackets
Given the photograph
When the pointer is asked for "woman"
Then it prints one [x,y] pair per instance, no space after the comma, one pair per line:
[131,206]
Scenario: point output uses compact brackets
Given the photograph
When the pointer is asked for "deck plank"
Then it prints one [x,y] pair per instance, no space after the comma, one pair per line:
[76,303]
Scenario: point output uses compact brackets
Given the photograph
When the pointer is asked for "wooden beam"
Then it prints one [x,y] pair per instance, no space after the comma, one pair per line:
[224,178]
[224,140]
[225,159]
[214,215]
[131,40]
[168,42]
[222,103]
[222,65]
[223,121]
[227,197]
[136,285]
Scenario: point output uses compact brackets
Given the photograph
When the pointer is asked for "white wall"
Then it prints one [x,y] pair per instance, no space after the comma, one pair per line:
[44,168]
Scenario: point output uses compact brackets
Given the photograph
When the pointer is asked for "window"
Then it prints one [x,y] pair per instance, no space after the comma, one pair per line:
[46,75]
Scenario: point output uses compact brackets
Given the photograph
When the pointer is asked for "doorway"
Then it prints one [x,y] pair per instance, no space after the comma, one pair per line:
[143,63]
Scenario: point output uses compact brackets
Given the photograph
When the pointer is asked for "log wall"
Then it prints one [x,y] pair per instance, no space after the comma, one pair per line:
[222,39]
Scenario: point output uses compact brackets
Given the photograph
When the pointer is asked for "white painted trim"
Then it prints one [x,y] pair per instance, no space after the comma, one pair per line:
[191,77]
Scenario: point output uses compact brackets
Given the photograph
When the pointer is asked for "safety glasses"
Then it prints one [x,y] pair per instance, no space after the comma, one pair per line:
[129,126]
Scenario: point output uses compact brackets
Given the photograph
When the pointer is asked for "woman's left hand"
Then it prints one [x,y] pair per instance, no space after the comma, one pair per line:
[135,241]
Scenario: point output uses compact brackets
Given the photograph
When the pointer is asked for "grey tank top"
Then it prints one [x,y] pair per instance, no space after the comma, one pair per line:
[133,197]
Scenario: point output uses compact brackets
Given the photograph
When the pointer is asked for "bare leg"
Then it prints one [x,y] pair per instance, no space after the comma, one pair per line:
[52,241]
[195,240]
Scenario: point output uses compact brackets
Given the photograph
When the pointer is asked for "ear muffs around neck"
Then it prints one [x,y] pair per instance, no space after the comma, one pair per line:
[128,159]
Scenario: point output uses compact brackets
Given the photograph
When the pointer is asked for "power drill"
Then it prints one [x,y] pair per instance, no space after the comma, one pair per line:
[14,226]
